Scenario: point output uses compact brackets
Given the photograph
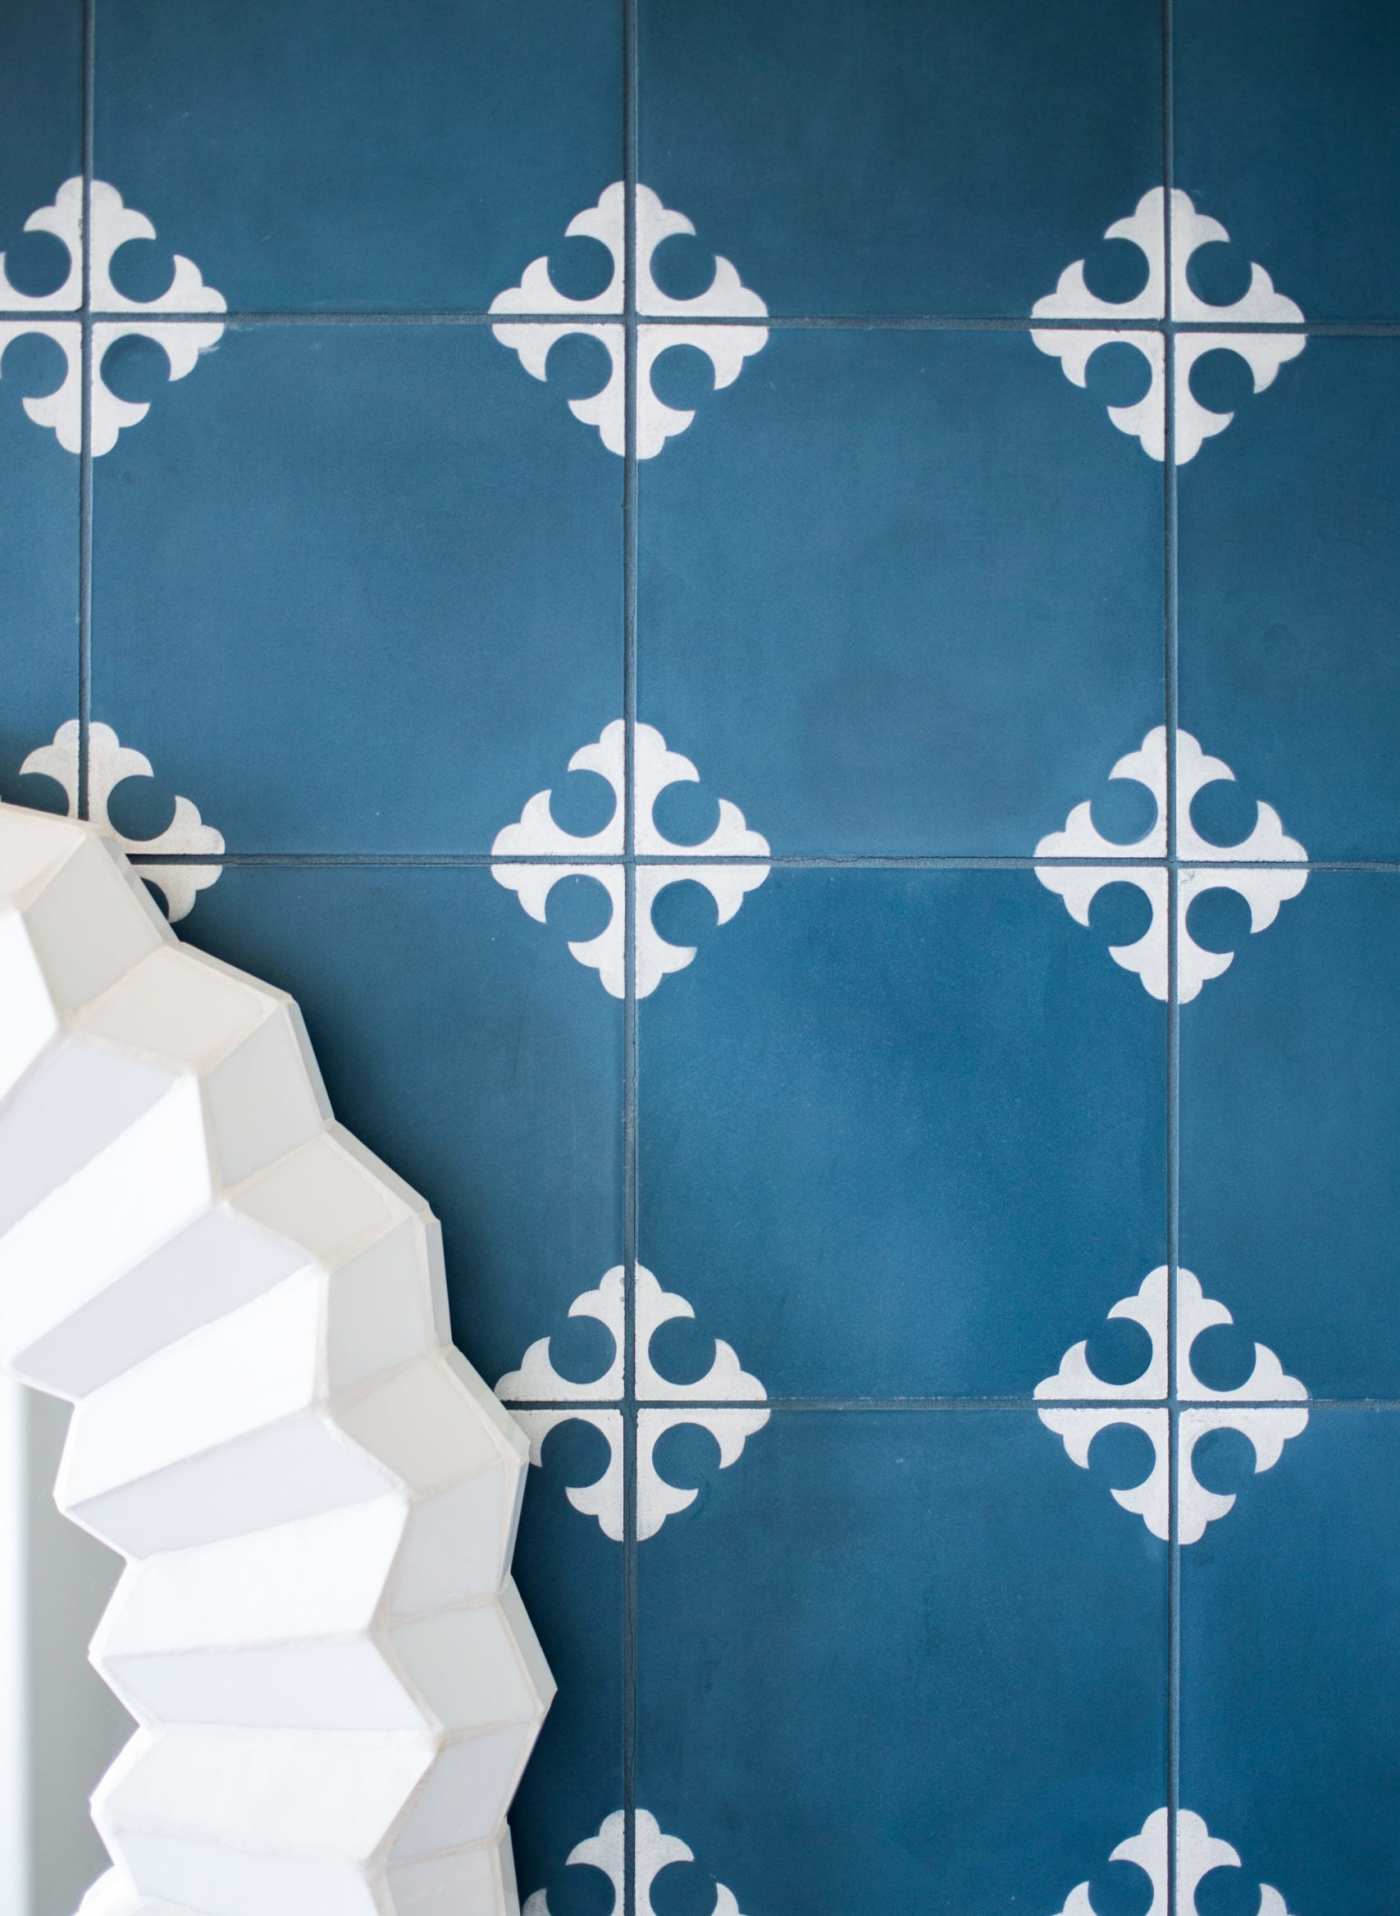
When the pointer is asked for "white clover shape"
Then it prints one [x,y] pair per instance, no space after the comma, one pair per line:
[1259,1408]
[1261,303]
[109,763]
[1197,1854]
[535,834]
[112,225]
[726,297]
[607,1851]
[1263,889]
[725,1383]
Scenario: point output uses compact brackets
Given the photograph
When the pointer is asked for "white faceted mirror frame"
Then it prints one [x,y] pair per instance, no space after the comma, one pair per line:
[335,1685]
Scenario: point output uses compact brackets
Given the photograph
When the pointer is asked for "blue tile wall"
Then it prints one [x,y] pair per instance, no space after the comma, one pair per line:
[371,160]
[365,592]
[876,161]
[781,619]
[41,111]
[900,638]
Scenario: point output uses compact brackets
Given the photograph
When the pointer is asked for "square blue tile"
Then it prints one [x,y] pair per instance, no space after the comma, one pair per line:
[1291,1671]
[901,1133]
[902,592]
[334,567]
[41,95]
[455,1042]
[360,157]
[38,577]
[1290,1095]
[1289,563]
[898,159]
[903,1660]
[1286,131]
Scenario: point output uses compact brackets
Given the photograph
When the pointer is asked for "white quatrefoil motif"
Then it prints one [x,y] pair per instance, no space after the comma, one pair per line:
[1260,1409]
[182,341]
[535,834]
[607,1851]
[1197,1854]
[725,1383]
[662,321]
[109,762]
[1263,886]
[1262,352]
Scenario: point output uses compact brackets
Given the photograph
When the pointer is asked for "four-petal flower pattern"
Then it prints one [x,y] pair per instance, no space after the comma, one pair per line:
[1265,869]
[1266,1408]
[535,835]
[1136,322]
[726,1401]
[663,321]
[166,320]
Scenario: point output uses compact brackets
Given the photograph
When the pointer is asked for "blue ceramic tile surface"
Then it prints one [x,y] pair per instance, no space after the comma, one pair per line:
[877,1153]
[375,158]
[1288,106]
[797,664]
[908,588]
[1290,1165]
[1290,573]
[353,605]
[860,1688]
[38,578]
[1291,1670]
[894,158]
[41,112]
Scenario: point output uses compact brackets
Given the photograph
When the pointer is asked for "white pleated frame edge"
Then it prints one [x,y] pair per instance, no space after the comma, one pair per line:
[335,1684]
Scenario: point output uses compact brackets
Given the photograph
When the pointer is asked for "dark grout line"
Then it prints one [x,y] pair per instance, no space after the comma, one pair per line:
[855,861]
[780,322]
[1172,1115]
[630,499]
[839,1406]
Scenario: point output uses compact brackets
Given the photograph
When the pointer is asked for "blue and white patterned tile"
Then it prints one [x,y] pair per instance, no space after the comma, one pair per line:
[666,322]
[724,1401]
[901,1133]
[899,590]
[334,568]
[1251,326]
[1289,567]
[1290,1168]
[894,160]
[1176,1409]
[1287,108]
[1256,865]
[902,1740]
[360,158]
[461,1051]
[1290,1672]
[181,321]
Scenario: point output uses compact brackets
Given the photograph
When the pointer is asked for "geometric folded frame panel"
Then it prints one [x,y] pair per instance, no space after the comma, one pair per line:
[334,1682]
